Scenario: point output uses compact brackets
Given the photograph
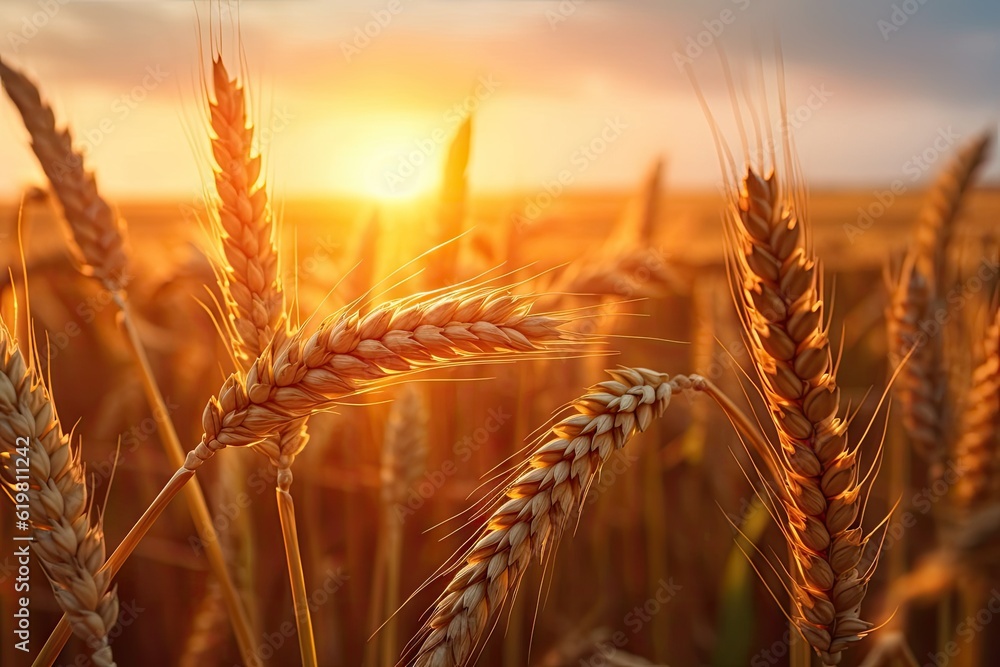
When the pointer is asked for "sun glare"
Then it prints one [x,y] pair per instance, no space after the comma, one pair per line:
[401,164]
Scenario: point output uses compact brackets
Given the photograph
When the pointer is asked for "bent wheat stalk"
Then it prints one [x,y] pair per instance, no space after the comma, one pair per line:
[99,239]
[776,280]
[537,507]
[66,538]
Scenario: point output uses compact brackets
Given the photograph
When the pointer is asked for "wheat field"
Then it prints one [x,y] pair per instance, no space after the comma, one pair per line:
[591,427]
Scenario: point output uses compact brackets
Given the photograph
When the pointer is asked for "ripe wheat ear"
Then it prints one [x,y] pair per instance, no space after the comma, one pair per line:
[777,285]
[538,506]
[68,540]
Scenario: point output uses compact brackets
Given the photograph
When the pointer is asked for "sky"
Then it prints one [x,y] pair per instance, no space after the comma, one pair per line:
[361,98]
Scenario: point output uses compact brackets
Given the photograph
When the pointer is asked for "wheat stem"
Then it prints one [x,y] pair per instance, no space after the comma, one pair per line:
[300,598]
[57,639]
[193,493]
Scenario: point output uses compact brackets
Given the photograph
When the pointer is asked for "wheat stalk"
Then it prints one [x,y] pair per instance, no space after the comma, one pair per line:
[249,276]
[97,230]
[66,538]
[936,220]
[404,458]
[977,450]
[777,283]
[537,507]
[917,293]
[99,239]
[917,387]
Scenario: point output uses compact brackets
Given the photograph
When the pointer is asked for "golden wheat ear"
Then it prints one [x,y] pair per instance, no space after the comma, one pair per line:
[404,459]
[777,281]
[536,509]
[917,291]
[98,233]
[977,450]
[446,267]
[918,387]
[66,536]
[248,267]
[936,221]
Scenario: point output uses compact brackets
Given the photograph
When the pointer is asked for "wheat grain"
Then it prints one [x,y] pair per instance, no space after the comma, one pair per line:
[97,230]
[537,507]
[68,542]
[777,284]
